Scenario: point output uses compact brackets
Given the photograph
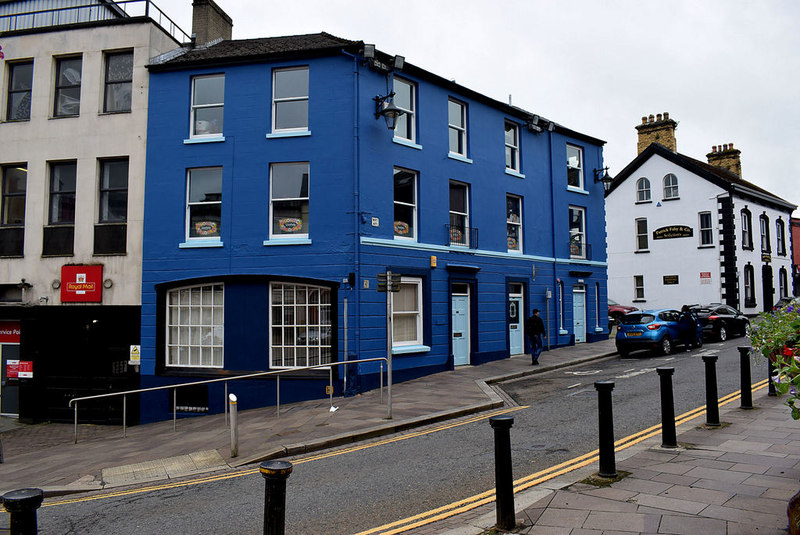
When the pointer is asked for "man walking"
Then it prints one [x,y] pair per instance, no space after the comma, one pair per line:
[534,328]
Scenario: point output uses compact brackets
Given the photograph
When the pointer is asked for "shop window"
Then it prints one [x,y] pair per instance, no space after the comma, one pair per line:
[195,326]
[301,325]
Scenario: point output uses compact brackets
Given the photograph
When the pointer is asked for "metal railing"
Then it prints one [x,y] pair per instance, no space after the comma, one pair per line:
[580,250]
[462,236]
[64,16]
[276,373]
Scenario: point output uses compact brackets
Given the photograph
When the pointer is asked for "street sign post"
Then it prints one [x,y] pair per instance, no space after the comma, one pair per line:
[389,283]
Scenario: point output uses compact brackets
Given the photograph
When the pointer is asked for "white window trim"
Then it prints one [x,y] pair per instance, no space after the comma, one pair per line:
[643,190]
[779,238]
[518,224]
[582,233]
[414,222]
[747,233]
[410,113]
[462,130]
[221,326]
[299,131]
[763,223]
[199,241]
[640,234]
[581,178]
[701,228]
[465,214]
[417,281]
[677,194]
[295,237]
[195,107]
[271,325]
[637,287]
[515,167]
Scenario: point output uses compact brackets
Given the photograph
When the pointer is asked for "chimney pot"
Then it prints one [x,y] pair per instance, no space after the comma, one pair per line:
[714,148]
[658,117]
[644,119]
[666,116]
[650,118]
[730,145]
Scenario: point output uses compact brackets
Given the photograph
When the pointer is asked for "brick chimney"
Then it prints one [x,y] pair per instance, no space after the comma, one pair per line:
[726,157]
[209,22]
[658,129]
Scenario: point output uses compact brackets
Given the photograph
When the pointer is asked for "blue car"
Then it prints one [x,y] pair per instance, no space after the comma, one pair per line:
[656,330]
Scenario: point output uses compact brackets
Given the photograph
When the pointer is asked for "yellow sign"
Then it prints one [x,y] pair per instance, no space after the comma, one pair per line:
[135,356]
[328,390]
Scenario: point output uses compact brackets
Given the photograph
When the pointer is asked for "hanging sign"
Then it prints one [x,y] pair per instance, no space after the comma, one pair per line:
[82,284]
[672,231]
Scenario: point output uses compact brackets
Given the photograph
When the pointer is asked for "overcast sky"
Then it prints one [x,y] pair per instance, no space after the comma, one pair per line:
[727,70]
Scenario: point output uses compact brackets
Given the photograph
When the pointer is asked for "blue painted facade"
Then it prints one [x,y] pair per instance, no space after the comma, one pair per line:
[351,236]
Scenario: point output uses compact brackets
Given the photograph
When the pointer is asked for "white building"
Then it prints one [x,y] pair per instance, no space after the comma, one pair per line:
[73,124]
[682,231]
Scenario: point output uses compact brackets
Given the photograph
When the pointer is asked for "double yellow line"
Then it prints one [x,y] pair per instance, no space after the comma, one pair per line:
[467,504]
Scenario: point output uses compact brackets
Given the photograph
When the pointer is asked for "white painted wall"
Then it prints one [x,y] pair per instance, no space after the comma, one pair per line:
[86,138]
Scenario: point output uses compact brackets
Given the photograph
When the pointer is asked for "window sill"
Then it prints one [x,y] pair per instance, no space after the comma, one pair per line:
[577,257]
[114,112]
[402,350]
[195,140]
[111,254]
[458,157]
[639,301]
[294,133]
[563,331]
[64,116]
[16,120]
[287,241]
[671,199]
[641,251]
[195,244]
[644,202]
[573,189]
[57,255]
[406,143]
[514,251]
[598,329]
[514,173]
[711,246]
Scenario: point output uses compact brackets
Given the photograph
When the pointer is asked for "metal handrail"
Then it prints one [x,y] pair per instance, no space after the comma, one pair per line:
[276,373]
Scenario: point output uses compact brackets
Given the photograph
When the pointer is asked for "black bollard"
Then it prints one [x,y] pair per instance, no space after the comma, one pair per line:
[608,466]
[22,505]
[504,492]
[275,475]
[669,438]
[712,403]
[747,387]
[771,391]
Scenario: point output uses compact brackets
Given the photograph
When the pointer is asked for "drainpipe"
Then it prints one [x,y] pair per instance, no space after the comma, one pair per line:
[553,234]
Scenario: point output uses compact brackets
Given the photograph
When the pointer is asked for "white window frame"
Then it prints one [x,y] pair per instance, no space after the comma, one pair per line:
[296,98]
[578,167]
[642,236]
[749,285]
[465,214]
[705,231]
[747,231]
[460,130]
[763,222]
[583,246]
[210,105]
[643,190]
[190,205]
[272,200]
[671,190]
[780,237]
[413,234]
[783,283]
[197,331]
[638,288]
[417,282]
[512,147]
[410,113]
[315,353]
[515,224]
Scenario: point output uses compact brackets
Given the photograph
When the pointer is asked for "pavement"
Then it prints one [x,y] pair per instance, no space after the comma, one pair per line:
[733,479]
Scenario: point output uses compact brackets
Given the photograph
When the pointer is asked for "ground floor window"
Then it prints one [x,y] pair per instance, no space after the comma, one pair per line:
[749,286]
[195,330]
[407,313]
[301,326]
[638,287]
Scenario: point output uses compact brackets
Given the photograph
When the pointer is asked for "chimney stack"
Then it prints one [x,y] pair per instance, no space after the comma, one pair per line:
[726,157]
[209,22]
[659,129]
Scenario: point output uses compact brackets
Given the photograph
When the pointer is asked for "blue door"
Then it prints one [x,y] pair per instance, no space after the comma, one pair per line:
[516,320]
[460,329]
[579,313]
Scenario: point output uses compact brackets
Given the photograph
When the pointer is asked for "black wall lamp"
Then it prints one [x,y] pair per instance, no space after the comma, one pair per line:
[385,107]
[601,175]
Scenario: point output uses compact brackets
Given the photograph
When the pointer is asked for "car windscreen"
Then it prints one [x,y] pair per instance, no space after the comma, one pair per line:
[636,319]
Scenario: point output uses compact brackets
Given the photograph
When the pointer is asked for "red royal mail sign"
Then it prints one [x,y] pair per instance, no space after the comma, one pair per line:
[81,284]
[9,332]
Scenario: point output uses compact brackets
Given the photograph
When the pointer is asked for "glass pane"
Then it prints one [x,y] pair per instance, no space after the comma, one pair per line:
[118,97]
[68,101]
[300,357]
[288,316]
[277,316]
[69,72]
[62,209]
[119,67]
[573,156]
[405,328]
[204,221]
[205,185]
[21,77]
[574,177]
[277,356]
[291,83]
[454,114]
[290,217]
[288,295]
[513,209]
[325,297]
[301,294]
[403,127]
[300,312]
[290,181]
[313,356]
[404,186]
[313,336]
[510,156]
[14,211]
[403,94]
[456,141]
[19,106]
[292,114]
[209,90]
[403,220]
[458,198]
[288,356]
[277,336]
[313,295]
[302,336]
[115,174]
[113,206]
[217,357]
[208,121]
[511,134]
[406,299]
[277,294]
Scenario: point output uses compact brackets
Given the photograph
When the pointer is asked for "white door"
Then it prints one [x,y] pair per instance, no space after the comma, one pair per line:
[460,325]
[579,313]
[516,322]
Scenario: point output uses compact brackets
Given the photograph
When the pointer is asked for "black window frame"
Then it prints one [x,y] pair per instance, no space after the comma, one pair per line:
[114,83]
[59,88]
[12,67]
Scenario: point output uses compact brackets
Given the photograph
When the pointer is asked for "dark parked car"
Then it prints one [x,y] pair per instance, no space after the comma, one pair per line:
[657,330]
[721,321]
[615,310]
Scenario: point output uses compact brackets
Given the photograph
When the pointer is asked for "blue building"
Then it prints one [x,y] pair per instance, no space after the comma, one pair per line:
[276,195]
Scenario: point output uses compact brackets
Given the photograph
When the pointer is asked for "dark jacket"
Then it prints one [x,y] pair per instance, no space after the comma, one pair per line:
[534,325]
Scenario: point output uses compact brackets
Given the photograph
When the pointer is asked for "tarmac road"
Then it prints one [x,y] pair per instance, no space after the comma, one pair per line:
[395,477]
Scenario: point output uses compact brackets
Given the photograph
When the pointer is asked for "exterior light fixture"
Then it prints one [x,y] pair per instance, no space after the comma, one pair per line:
[385,107]
[601,175]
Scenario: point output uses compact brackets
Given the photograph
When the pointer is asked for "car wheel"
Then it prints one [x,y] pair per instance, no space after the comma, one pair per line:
[666,345]
[723,333]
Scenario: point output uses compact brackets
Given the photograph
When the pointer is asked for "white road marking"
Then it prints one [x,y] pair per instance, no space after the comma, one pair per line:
[573,386]
[587,372]
[635,373]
